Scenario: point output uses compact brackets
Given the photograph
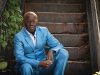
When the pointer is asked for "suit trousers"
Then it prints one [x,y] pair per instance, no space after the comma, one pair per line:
[58,66]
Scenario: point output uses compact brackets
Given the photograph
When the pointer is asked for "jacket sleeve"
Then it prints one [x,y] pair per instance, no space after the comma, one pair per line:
[19,54]
[53,43]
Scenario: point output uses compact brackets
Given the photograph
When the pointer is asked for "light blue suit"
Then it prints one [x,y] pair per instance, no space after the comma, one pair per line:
[28,56]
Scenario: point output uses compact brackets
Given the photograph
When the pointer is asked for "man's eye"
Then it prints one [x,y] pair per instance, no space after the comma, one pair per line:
[28,21]
[34,21]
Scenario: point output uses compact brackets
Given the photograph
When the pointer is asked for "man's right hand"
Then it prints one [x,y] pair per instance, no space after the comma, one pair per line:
[45,64]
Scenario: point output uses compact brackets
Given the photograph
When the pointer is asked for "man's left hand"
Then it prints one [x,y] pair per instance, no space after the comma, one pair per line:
[50,55]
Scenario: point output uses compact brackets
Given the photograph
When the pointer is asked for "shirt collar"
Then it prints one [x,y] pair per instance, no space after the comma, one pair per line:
[30,33]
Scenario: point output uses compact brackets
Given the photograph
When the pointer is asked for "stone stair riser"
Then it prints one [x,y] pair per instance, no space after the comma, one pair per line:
[72,40]
[58,1]
[61,17]
[74,8]
[65,28]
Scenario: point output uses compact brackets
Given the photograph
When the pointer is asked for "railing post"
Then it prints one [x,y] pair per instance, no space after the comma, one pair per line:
[94,36]
[2,5]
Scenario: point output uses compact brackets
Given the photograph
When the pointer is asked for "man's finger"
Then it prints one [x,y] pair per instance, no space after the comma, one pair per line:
[51,62]
[47,63]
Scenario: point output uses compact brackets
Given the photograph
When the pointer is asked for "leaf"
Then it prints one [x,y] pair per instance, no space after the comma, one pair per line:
[11,10]
[1,23]
[2,31]
[9,30]
[6,14]
[1,40]
[3,65]
[12,2]
[12,18]
[18,9]
[4,44]
[5,24]
[11,23]
[1,36]
[20,27]
[19,19]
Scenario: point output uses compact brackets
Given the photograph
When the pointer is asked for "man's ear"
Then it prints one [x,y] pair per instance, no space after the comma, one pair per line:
[37,21]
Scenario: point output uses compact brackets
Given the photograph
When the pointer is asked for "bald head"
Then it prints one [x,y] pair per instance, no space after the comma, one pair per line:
[27,14]
[30,21]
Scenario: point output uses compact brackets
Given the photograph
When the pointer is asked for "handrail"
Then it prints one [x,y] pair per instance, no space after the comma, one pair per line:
[94,36]
[23,5]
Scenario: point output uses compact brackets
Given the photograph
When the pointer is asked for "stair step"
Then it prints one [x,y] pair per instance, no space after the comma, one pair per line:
[72,67]
[76,53]
[61,17]
[58,1]
[72,40]
[52,7]
[65,28]
[78,68]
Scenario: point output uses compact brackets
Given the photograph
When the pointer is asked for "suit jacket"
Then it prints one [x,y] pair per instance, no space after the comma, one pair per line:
[26,52]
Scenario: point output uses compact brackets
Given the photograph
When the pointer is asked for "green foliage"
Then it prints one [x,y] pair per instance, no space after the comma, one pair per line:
[13,19]
[3,65]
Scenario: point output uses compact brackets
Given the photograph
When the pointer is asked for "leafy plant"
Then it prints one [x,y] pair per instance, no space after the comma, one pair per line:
[12,22]
[3,65]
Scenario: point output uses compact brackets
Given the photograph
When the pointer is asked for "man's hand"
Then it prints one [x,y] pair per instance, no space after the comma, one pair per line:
[50,55]
[45,64]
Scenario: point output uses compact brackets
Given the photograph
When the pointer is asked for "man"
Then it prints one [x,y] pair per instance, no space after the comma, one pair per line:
[29,50]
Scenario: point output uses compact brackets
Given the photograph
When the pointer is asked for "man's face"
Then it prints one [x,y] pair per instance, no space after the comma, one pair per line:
[30,22]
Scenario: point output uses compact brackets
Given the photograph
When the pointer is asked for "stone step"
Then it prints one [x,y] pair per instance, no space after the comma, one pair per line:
[61,17]
[58,1]
[78,68]
[76,53]
[65,28]
[52,7]
[72,40]
[72,67]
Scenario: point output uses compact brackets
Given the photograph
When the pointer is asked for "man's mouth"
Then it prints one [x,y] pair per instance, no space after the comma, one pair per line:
[31,27]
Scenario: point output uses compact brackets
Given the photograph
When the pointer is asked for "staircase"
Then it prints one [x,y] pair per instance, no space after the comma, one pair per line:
[67,21]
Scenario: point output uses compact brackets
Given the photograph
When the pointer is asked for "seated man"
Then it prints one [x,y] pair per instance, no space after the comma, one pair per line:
[29,50]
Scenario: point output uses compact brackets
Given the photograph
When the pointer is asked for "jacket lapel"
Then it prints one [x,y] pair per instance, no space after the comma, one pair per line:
[38,36]
[28,39]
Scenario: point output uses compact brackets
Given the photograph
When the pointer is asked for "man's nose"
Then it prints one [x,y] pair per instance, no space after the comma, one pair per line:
[32,23]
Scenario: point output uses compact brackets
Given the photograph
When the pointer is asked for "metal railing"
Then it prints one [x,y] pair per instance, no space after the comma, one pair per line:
[2,19]
[94,36]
